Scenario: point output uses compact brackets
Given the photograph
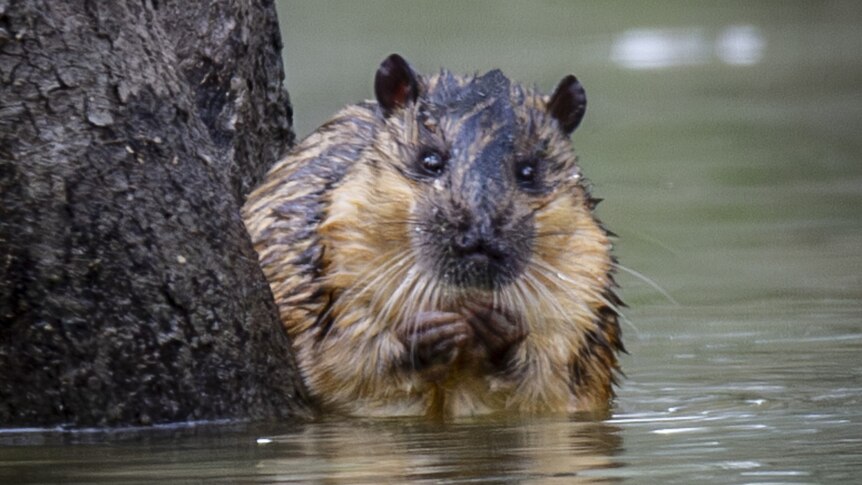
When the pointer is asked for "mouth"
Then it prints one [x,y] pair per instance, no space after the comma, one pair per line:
[486,270]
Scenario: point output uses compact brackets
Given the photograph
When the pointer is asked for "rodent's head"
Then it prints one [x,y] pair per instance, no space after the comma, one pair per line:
[490,166]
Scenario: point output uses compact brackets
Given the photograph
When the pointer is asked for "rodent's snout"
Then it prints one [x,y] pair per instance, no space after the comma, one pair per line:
[470,249]
[476,242]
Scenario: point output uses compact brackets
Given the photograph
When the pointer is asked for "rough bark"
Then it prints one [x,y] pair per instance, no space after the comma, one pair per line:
[129,292]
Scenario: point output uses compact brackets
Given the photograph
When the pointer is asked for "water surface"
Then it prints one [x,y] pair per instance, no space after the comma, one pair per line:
[725,138]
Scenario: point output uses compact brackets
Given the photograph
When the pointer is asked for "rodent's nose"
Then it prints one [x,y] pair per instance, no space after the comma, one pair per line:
[476,240]
[468,241]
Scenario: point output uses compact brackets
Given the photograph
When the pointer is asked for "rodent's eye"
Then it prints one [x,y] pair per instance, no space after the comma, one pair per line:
[432,163]
[527,174]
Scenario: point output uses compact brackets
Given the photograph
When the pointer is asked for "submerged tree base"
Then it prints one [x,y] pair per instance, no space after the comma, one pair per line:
[129,291]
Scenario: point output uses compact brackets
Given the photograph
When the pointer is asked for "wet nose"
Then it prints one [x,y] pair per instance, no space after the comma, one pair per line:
[476,239]
[469,240]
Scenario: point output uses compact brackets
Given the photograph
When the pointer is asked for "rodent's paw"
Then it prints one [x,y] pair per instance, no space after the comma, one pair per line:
[499,331]
[434,340]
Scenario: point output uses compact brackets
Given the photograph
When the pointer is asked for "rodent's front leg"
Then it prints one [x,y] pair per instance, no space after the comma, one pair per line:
[499,331]
[434,340]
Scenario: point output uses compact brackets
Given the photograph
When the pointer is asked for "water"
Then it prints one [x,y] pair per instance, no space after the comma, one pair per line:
[725,138]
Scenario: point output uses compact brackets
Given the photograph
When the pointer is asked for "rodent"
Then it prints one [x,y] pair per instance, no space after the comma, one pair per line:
[434,252]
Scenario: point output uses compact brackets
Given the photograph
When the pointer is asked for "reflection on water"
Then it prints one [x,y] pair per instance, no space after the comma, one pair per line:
[334,451]
[662,48]
[658,48]
[740,44]
[415,451]
[724,138]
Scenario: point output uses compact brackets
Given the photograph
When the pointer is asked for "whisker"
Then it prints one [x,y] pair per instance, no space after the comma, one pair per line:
[406,315]
[548,296]
[406,222]
[653,240]
[381,299]
[617,265]
[381,275]
[436,297]
[538,235]
[648,281]
[407,285]
[519,298]
[549,273]
[389,266]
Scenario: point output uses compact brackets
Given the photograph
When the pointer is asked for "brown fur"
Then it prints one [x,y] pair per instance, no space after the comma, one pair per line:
[330,226]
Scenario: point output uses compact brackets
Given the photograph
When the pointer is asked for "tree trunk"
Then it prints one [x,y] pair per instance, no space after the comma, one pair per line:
[130,132]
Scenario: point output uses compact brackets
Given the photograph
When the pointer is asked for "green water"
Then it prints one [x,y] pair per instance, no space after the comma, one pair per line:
[726,138]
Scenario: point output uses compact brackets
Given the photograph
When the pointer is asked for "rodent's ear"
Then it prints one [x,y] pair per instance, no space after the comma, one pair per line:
[395,84]
[568,104]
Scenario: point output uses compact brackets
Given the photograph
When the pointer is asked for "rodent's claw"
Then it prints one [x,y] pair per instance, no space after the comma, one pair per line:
[434,341]
[498,330]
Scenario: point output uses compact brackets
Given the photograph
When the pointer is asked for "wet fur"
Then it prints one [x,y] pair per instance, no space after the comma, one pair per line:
[335,224]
